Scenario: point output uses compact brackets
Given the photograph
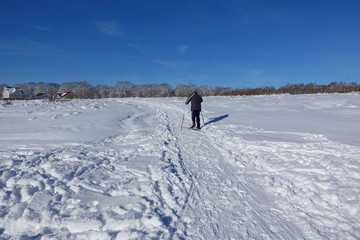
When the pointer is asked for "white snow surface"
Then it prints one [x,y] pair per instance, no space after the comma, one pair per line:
[262,167]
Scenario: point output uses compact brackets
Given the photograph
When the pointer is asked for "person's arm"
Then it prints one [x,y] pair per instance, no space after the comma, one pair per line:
[189,98]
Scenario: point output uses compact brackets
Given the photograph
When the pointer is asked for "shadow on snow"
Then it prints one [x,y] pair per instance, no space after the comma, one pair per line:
[216,119]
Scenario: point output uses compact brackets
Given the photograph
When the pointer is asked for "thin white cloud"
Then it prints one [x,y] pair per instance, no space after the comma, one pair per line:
[141,48]
[28,47]
[41,28]
[182,49]
[235,68]
[34,43]
[172,64]
[256,72]
[109,28]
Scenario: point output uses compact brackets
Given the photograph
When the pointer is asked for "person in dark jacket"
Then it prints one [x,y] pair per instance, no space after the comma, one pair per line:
[196,101]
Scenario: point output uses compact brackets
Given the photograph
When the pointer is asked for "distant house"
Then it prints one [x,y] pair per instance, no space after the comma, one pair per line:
[65,95]
[42,95]
[10,93]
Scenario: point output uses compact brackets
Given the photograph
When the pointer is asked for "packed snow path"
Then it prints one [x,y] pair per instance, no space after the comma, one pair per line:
[268,167]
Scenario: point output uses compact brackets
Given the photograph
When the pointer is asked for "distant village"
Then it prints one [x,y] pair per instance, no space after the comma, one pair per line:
[16,93]
[83,90]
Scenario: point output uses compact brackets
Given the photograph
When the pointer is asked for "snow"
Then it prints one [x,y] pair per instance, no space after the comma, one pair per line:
[262,167]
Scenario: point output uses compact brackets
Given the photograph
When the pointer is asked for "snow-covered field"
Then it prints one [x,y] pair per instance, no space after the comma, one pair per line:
[262,167]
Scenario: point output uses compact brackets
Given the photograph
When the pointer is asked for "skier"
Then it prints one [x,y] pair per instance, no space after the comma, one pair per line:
[196,101]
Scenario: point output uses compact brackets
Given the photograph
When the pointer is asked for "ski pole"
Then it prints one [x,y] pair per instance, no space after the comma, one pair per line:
[203,118]
[182,122]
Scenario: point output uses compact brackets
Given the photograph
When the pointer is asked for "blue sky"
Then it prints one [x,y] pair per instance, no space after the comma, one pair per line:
[240,43]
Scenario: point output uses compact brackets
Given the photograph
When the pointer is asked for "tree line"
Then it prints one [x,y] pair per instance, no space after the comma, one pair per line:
[127,89]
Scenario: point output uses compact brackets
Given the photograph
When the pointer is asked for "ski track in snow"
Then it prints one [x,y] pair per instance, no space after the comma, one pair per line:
[148,179]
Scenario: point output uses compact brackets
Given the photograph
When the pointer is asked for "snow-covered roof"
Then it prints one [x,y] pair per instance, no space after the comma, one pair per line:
[64,94]
[13,89]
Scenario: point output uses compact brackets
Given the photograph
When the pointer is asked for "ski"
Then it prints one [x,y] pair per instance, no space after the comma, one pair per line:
[195,128]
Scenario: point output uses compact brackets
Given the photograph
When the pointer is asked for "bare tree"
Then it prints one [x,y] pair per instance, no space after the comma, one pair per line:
[127,89]
[49,88]
[102,91]
[84,90]
[66,87]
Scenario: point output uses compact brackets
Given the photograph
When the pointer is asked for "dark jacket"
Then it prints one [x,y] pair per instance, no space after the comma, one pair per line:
[195,100]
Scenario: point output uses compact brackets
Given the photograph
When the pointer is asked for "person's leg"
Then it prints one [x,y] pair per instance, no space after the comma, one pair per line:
[198,118]
[193,116]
